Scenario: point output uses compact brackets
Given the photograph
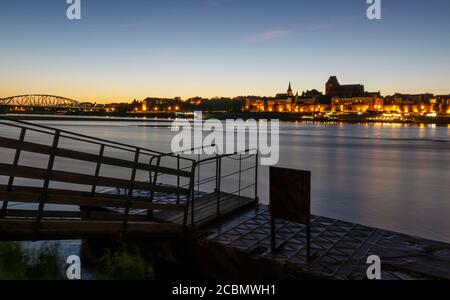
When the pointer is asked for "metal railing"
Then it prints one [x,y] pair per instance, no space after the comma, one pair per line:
[232,168]
[224,176]
[142,160]
[210,173]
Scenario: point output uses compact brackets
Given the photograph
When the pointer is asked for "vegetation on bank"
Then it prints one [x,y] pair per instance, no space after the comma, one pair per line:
[123,265]
[18,262]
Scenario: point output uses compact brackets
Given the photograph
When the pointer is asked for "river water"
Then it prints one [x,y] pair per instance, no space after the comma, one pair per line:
[390,176]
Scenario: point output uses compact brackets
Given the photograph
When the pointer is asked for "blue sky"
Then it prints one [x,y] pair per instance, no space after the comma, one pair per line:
[122,50]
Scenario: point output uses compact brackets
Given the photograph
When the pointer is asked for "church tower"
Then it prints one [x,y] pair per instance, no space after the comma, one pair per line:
[289,91]
[331,85]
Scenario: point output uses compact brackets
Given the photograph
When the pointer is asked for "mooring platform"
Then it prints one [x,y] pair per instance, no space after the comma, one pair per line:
[239,248]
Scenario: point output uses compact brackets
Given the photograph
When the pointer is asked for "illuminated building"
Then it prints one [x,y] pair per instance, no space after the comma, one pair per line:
[161,104]
[280,103]
[358,104]
[352,97]
[312,101]
[334,89]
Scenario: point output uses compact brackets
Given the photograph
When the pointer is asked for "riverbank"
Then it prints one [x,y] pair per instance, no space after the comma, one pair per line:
[284,117]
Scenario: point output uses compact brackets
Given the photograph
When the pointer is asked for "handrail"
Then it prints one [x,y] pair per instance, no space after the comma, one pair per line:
[91,139]
[228,155]
[49,174]
[192,190]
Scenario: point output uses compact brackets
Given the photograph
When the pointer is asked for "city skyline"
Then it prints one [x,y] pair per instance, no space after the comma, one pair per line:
[307,90]
[227,48]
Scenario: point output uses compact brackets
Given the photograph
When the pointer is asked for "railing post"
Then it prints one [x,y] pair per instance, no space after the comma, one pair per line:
[308,244]
[192,208]
[48,176]
[198,175]
[240,178]
[217,173]
[178,177]
[97,173]
[97,169]
[218,182]
[272,235]
[256,177]
[198,167]
[130,192]
[154,182]
[190,197]
[11,178]
[150,177]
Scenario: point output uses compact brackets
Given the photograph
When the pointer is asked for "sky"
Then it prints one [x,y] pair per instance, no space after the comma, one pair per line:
[122,50]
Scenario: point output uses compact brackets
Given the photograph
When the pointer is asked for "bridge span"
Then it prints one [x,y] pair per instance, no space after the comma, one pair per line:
[40,101]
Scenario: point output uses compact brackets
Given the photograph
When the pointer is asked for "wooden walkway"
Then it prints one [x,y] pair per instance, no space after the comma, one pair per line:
[36,191]
[106,222]
[206,209]
[87,204]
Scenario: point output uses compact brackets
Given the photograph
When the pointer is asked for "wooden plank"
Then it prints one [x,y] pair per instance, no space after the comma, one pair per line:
[177,217]
[67,199]
[77,155]
[46,214]
[84,179]
[103,216]
[205,208]
[227,206]
[63,192]
[79,228]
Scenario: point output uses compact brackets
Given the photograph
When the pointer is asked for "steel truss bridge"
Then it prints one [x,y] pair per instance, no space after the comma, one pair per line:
[40,101]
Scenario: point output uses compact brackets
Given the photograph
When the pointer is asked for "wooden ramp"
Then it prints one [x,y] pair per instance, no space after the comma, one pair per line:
[35,209]
[155,192]
[206,209]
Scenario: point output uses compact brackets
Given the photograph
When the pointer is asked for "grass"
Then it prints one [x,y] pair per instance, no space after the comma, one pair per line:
[18,263]
[12,262]
[45,263]
[124,265]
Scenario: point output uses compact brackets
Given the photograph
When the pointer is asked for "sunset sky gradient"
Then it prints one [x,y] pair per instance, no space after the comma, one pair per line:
[130,49]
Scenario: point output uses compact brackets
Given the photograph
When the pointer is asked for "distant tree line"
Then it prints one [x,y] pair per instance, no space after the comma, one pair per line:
[216,105]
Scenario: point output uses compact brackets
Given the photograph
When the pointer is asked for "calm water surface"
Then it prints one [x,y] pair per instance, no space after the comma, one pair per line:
[394,177]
